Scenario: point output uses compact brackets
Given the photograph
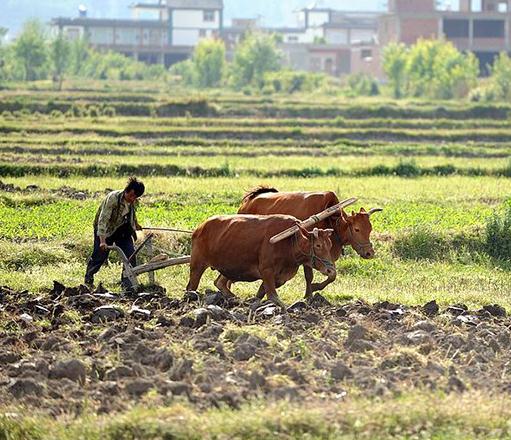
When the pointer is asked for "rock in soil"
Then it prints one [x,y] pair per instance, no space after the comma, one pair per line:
[24,387]
[72,369]
[228,352]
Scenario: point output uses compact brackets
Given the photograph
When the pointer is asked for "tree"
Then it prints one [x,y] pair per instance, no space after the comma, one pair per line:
[432,68]
[3,33]
[60,51]
[394,66]
[254,56]
[436,69]
[30,50]
[455,73]
[209,62]
[500,78]
[79,54]
[3,52]
[185,70]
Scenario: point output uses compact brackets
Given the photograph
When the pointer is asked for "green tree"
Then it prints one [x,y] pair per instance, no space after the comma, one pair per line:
[435,68]
[60,51]
[3,33]
[3,51]
[209,62]
[30,51]
[79,54]
[455,73]
[254,56]
[394,65]
[185,70]
[500,78]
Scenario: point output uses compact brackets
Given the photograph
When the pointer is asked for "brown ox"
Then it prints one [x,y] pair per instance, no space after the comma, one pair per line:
[353,230]
[238,247]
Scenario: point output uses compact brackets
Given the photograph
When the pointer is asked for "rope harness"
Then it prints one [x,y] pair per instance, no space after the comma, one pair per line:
[360,246]
[312,255]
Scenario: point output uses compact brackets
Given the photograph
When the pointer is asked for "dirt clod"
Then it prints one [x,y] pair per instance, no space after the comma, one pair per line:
[72,369]
[228,351]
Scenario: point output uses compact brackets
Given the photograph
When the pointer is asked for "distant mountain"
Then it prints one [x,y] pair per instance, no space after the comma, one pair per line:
[273,12]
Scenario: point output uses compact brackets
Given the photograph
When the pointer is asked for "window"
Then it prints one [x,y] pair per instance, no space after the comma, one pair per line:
[489,28]
[456,28]
[209,15]
[73,33]
[366,54]
[202,33]
[292,39]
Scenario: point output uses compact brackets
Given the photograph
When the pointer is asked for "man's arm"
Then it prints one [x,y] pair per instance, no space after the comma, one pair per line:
[104,217]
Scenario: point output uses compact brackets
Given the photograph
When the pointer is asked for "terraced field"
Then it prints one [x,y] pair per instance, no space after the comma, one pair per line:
[439,170]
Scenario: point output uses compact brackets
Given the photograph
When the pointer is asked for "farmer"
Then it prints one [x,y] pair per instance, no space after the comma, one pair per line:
[115,223]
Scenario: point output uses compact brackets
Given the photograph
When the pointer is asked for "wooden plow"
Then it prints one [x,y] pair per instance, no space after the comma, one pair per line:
[131,272]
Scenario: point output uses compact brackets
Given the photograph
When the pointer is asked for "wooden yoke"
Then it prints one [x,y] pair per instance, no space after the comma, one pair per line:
[314,219]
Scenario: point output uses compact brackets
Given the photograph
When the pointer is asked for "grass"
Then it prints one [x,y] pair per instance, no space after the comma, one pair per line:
[439,170]
[418,415]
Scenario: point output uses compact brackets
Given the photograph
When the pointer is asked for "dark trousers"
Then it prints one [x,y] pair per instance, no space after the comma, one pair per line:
[98,257]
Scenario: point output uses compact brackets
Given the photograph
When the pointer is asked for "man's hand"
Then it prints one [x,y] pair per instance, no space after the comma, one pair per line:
[102,244]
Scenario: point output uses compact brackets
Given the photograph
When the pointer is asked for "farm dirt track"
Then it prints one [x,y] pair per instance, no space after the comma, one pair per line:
[109,352]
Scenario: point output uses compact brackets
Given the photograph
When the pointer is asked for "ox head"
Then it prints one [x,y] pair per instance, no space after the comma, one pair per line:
[315,246]
[355,230]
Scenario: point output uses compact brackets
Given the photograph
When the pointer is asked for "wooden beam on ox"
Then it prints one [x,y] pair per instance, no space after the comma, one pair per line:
[314,219]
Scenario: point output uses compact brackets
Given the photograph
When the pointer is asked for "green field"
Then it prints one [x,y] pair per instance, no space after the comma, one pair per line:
[439,170]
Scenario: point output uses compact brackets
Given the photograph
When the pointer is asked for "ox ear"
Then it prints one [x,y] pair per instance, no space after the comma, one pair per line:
[303,239]
[362,210]
[353,214]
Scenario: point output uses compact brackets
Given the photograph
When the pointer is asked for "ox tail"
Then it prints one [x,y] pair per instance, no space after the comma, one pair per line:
[252,194]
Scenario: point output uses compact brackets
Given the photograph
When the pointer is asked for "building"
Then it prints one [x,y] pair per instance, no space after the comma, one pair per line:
[482,27]
[165,32]
[334,42]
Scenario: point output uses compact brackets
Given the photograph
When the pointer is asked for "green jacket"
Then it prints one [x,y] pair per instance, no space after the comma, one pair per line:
[112,213]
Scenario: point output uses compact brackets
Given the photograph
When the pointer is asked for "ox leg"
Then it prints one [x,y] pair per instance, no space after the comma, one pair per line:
[309,275]
[196,271]
[271,290]
[261,292]
[258,298]
[223,284]
[320,286]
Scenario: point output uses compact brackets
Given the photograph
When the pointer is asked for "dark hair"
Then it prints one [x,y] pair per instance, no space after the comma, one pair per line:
[135,185]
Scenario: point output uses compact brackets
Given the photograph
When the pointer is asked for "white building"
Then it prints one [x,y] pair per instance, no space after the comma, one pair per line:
[164,32]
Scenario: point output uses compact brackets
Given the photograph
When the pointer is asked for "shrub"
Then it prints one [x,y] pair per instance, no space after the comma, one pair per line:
[361,84]
[424,243]
[498,234]
[254,56]
[184,71]
[288,81]
[56,114]
[209,63]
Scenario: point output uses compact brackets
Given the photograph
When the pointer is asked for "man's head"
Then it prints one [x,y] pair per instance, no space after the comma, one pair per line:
[134,189]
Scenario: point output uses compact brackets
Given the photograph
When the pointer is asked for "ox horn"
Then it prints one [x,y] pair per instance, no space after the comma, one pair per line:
[373,210]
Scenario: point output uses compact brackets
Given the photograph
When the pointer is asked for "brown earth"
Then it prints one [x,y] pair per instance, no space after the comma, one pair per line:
[71,349]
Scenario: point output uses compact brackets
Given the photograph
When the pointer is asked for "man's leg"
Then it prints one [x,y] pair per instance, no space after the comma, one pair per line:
[127,246]
[95,261]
